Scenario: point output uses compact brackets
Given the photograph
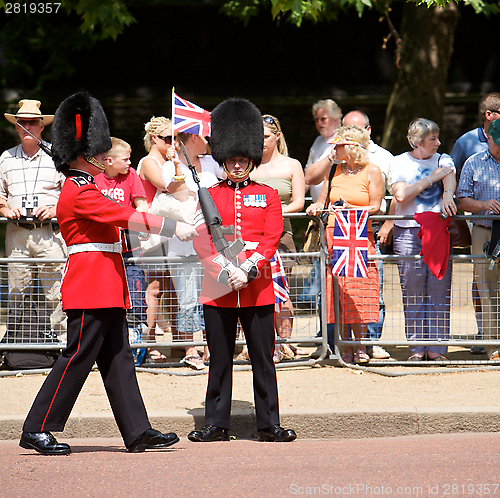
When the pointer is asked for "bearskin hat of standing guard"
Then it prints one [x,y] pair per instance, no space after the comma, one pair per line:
[80,129]
[237,131]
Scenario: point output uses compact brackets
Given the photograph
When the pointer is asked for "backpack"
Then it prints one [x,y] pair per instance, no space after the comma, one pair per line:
[28,324]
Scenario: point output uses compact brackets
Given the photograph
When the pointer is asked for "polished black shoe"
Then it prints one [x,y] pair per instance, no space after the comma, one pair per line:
[153,440]
[209,433]
[43,442]
[278,434]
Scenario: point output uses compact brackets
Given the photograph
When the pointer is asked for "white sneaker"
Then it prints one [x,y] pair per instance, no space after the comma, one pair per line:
[379,353]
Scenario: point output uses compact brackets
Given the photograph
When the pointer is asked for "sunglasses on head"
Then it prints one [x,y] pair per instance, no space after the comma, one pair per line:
[270,120]
[167,140]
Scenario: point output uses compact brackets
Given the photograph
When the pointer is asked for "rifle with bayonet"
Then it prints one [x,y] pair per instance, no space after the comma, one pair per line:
[213,220]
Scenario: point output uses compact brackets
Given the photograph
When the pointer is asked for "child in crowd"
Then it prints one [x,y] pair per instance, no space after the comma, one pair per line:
[121,183]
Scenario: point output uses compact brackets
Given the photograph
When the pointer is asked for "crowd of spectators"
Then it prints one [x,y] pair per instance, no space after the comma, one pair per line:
[345,170]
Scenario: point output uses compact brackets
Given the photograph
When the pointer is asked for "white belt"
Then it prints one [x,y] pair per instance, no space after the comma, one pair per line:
[250,246]
[95,247]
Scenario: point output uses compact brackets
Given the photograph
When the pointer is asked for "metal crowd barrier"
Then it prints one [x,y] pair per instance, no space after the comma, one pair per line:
[25,318]
[310,316]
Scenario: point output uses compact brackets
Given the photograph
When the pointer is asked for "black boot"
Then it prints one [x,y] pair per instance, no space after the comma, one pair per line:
[209,433]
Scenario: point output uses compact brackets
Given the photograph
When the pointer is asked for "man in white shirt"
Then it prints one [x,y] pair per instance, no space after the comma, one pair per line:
[327,115]
[29,191]
[382,158]
[467,145]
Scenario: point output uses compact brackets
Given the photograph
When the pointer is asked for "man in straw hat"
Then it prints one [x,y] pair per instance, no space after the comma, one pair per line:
[29,191]
[241,289]
[94,289]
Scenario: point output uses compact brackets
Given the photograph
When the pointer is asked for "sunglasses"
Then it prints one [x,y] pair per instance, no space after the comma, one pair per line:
[270,120]
[167,140]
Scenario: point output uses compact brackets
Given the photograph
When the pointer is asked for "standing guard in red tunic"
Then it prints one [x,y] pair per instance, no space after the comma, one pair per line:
[94,288]
[241,288]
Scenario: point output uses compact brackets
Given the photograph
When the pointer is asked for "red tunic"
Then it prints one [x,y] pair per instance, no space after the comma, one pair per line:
[255,210]
[97,279]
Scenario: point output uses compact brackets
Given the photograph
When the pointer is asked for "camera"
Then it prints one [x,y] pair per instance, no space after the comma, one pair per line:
[29,204]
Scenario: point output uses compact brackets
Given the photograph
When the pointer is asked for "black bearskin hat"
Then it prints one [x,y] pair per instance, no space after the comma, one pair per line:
[79,129]
[237,131]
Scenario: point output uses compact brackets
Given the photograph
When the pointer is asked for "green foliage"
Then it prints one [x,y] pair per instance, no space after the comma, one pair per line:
[39,46]
[296,11]
[109,17]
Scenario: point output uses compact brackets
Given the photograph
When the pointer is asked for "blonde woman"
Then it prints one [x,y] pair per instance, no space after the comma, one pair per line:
[287,177]
[356,184]
[187,276]
[158,144]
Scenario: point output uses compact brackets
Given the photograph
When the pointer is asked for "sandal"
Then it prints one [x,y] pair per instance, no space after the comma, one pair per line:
[416,357]
[277,356]
[154,356]
[286,351]
[439,357]
[361,357]
[206,356]
[348,358]
[194,361]
[299,352]
[243,356]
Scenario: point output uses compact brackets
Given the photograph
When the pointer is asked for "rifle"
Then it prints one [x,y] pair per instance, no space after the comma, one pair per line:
[213,219]
[39,142]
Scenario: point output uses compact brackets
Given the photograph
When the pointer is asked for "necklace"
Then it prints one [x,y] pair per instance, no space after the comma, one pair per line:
[352,171]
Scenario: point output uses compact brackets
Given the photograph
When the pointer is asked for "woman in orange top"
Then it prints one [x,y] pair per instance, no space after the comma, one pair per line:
[356,184]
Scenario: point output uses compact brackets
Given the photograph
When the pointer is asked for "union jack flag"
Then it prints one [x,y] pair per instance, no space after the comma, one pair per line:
[280,283]
[189,118]
[350,243]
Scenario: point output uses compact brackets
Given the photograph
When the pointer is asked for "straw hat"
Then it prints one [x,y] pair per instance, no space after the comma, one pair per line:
[29,109]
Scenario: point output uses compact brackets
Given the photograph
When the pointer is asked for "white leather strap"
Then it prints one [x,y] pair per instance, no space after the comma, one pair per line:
[250,246]
[95,247]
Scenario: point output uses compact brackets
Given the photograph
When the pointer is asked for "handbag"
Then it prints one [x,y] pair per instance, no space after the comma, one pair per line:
[459,231]
[311,235]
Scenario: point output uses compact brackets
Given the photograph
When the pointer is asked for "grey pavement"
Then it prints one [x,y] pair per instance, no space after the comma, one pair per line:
[319,402]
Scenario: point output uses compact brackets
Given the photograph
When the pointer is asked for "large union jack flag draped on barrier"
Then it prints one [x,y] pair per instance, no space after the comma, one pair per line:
[280,283]
[350,243]
[189,118]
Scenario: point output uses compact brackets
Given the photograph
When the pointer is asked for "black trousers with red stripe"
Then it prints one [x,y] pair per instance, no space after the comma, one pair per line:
[258,325]
[94,336]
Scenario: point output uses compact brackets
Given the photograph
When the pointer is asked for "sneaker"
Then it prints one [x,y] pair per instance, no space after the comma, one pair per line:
[378,353]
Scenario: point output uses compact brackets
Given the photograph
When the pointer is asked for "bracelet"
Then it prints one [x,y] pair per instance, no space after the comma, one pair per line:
[427,178]
[179,178]
[450,191]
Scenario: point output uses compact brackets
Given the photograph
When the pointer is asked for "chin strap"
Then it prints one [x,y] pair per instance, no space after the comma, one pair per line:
[241,175]
[95,162]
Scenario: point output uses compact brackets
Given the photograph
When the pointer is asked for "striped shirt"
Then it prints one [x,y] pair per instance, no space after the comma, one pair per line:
[24,176]
[480,180]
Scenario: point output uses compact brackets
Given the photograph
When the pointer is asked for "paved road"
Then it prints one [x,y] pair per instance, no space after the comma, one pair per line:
[453,465]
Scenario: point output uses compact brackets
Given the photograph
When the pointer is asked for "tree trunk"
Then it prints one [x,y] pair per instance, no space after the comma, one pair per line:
[420,82]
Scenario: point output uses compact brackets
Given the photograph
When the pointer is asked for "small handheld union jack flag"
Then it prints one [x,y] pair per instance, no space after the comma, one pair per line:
[189,118]
[350,243]
[280,283]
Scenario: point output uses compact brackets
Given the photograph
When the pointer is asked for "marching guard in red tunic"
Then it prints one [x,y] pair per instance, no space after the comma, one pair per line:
[94,288]
[241,288]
